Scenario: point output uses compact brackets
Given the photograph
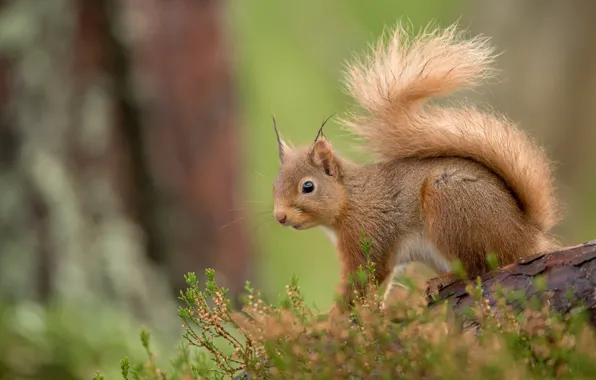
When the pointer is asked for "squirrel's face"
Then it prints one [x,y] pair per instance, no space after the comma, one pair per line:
[308,190]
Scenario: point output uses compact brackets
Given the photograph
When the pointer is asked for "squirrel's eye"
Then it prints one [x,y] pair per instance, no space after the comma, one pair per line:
[308,187]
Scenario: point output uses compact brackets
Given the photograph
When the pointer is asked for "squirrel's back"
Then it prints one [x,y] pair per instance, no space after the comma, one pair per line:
[391,85]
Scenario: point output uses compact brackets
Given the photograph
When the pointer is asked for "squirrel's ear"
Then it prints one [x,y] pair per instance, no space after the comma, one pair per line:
[322,155]
[282,147]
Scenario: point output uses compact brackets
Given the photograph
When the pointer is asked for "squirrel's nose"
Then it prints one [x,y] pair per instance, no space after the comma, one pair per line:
[281,217]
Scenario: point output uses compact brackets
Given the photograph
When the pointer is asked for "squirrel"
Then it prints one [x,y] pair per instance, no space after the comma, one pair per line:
[450,182]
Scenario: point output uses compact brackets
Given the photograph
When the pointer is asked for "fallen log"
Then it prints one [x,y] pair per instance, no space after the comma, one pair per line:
[569,273]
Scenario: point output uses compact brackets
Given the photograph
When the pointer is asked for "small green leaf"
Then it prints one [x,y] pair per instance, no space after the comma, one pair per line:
[145,339]
[459,270]
[540,283]
[492,260]
[125,367]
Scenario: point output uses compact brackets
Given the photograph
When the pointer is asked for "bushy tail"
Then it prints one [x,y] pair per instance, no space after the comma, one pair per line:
[391,84]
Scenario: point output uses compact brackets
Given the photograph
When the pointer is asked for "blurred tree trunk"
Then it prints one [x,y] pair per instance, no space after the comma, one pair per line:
[114,184]
[548,85]
[189,99]
[66,229]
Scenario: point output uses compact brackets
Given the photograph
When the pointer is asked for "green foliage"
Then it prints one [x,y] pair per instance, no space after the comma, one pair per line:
[404,338]
[492,260]
[364,274]
[125,368]
[208,321]
[65,341]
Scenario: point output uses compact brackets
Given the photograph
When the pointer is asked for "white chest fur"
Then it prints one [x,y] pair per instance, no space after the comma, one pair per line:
[331,234]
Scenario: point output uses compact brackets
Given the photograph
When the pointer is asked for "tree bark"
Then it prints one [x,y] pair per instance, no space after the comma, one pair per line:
[67,232]
[570,275]
[192,136]
[119,159]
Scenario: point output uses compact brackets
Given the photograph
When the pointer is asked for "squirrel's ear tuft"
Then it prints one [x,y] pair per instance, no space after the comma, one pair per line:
[282,147]
[322,155]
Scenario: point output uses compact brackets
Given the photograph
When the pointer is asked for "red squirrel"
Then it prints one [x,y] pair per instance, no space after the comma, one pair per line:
[449,182]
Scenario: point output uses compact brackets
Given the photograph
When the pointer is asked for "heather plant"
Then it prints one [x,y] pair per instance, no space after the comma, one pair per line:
[400,336]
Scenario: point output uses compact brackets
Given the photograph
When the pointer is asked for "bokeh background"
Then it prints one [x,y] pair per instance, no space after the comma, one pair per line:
[136,145]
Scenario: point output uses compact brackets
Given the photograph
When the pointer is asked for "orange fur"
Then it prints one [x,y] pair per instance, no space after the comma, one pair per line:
[394,81]
[451,183]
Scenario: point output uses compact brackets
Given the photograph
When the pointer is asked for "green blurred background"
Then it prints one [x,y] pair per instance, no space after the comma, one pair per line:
[136,145]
